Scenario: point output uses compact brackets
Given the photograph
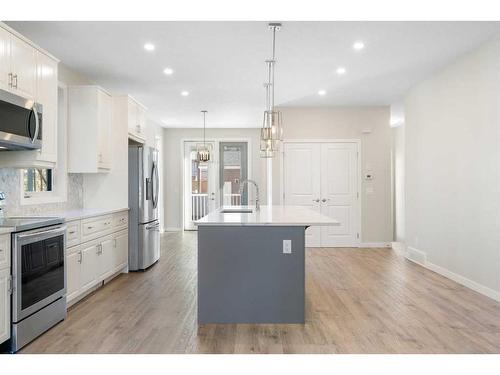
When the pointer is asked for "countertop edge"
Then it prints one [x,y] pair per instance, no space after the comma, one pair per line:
[267,224]
[74,215]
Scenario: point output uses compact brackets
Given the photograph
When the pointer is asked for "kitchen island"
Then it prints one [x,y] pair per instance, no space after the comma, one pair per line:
[251,264]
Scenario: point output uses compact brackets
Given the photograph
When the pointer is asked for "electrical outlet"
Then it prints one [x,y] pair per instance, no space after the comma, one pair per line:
[287,246]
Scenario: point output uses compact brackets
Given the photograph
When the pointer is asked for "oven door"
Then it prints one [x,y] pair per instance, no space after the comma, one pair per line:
[39,269]
[20,122]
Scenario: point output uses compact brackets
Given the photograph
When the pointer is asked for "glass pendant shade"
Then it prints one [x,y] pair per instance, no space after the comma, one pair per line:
[271,134]
[203,151]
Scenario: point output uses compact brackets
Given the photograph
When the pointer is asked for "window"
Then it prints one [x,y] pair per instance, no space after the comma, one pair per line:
[37,180]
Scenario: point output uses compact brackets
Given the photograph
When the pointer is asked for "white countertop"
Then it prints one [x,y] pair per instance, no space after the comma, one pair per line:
[268,215]
[85,213]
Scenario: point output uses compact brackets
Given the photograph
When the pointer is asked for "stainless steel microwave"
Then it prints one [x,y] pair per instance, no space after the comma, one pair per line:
[21,123]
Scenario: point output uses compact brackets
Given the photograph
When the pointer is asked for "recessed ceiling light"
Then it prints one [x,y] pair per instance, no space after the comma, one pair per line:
[321,92]
[340,70]
[168,71]
[185,93]
[149,47]
[358,46]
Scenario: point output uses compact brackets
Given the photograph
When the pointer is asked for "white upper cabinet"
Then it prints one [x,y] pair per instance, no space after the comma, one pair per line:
[23,68]
[31,73]
[4,59]
[46,94]
[89,124]
[136,120]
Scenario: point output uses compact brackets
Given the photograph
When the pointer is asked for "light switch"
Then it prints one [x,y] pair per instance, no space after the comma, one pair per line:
[287,246]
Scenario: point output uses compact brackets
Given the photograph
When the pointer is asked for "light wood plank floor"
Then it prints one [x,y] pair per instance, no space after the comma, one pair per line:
[358,301]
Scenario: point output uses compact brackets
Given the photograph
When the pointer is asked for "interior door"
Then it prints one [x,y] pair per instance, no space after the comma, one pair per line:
[302,181]
[200,185]
[339,192]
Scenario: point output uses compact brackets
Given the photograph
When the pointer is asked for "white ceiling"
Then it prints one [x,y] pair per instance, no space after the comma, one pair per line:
[222,64]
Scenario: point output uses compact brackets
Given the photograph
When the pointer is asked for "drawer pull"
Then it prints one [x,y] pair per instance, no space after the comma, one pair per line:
[90,227]
[72,232]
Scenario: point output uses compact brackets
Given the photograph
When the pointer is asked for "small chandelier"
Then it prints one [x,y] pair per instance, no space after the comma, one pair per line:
[203,150]
[271,133]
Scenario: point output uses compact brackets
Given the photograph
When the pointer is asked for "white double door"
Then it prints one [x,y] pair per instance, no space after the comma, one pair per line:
[324,177]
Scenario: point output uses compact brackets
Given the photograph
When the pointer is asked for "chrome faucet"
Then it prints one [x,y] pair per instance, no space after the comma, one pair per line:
[257,200]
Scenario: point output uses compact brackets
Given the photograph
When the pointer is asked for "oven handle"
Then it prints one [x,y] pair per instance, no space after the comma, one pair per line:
[35,234]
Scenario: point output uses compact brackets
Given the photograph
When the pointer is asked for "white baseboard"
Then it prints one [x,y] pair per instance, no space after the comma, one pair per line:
[172,229]
[374,244]
[416,256]
[420,257]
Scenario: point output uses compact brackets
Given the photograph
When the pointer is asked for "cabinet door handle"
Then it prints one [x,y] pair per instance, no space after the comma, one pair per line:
[114,242]
[316,200]
[80,257]
[10,79]
[71,232]
[89,227]
[14,77]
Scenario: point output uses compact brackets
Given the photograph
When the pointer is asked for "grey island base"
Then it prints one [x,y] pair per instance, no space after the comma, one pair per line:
[251,266]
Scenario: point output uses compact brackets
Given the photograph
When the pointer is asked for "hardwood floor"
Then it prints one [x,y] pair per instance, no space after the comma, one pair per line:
[357,301]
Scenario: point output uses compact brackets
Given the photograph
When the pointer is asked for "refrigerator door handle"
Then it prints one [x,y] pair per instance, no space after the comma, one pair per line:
[148,189]
[155,192]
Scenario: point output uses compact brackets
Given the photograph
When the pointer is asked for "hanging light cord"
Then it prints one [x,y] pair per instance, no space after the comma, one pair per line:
[204,113]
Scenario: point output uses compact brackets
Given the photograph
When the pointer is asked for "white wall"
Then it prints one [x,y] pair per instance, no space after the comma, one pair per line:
[453,169]
[349,123]
[398,169]
[173,155]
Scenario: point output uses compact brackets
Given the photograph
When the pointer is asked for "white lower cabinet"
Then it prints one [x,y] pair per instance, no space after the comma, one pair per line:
[73,273]
[106,259]
[94,261]
[5,287]
[4,304]
[121,249]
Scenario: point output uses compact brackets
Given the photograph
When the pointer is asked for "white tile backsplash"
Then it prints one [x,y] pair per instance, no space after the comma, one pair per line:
[11,186]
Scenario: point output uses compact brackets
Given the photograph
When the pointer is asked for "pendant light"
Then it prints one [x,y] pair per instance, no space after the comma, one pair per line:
[203,151]
[271,133]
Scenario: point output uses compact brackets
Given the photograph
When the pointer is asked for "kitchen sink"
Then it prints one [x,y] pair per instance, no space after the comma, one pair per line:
[236,211]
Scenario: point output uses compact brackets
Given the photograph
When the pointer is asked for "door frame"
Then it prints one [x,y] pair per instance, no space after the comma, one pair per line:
[216,141]
[358,168]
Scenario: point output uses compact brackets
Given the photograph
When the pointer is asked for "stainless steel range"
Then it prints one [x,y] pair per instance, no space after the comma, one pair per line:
[38,274]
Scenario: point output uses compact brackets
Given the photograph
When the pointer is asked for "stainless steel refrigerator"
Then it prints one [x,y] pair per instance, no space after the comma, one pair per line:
[143,189]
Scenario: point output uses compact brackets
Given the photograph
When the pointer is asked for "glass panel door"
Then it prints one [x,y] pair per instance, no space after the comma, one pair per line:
[233,168]
[200,196]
